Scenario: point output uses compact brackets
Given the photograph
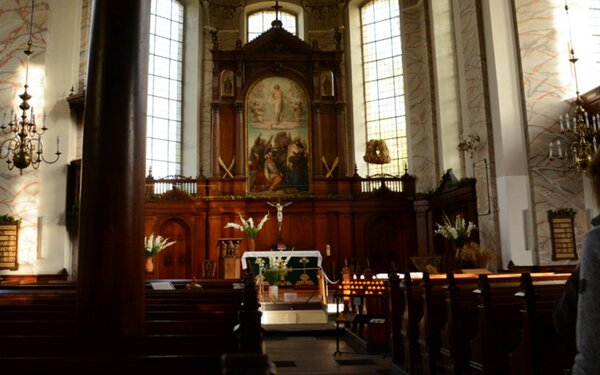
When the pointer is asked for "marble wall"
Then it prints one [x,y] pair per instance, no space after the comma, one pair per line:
[548,85]
[419,97]
[475,114]
[19,194]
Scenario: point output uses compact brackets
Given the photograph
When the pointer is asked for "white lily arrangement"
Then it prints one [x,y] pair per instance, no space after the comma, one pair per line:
[459,232]
[248,227]
[276,269]
[154,245]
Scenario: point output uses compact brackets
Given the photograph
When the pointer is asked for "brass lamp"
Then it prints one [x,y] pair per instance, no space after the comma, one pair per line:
[581,132]
[25,148]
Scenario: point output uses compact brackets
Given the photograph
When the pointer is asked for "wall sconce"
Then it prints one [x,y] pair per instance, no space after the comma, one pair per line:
[468,144]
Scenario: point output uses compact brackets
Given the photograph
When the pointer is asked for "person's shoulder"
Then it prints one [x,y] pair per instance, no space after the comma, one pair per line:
[592,241]
[593,234]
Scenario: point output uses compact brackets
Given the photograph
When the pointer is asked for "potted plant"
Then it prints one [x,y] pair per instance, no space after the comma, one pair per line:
[8,219]
[249,229]
[152,246]
[458,233]
[273,272]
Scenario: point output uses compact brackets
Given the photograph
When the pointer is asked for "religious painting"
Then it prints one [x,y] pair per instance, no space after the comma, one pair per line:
[227,83]
[278,137]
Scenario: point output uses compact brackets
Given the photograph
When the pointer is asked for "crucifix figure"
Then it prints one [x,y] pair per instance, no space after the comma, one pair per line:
[279,207]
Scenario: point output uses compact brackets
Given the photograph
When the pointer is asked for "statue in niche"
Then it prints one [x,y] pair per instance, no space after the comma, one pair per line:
[327,83]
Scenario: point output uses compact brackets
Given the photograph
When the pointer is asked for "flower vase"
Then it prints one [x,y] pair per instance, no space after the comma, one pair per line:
[251,244]
[149,265]
[458,258]
[273,292]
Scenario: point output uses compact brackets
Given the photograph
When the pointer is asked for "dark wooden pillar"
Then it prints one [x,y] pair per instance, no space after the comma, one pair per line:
[111,276]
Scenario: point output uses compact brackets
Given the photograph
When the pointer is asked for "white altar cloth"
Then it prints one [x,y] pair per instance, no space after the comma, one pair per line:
[286,253]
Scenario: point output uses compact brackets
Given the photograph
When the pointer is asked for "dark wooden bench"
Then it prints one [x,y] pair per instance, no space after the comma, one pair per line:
[541,350]
[500,321]
[441,317]
[39,326]
[435,315]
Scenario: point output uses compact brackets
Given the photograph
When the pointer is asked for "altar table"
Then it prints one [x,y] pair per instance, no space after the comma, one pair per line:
[304,264]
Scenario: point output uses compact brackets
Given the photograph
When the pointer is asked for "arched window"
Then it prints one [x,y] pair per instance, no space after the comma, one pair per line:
[383,80]
[165,88]
[259,22]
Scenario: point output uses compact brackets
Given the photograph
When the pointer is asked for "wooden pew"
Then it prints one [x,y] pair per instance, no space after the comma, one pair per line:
[461,323]
[432,322]
[422,316]
[435,316]
[413,311]
[195,327]
[395,312]
[444,310]
[541,350]
[500,322]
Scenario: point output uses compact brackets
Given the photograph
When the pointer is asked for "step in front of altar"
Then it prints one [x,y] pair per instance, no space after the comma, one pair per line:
[293,313]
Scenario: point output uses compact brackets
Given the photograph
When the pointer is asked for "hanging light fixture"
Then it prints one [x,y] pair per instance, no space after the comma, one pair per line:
[582,133]
[25,147]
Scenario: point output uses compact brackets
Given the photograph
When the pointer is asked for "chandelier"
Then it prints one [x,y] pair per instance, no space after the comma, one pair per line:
[24,148]
[582,133]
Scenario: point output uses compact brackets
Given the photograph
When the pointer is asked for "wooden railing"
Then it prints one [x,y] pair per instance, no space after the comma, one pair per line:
[162,185]
[204,186]
[374,183]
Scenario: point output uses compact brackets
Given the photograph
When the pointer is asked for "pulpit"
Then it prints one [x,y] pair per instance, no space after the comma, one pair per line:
[304,263]
[229,257]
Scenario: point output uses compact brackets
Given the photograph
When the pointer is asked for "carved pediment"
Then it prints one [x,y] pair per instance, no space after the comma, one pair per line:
[277,41]
[176,195]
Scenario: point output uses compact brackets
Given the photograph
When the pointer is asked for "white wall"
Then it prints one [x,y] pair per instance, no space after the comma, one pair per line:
[38,196]
[508,126]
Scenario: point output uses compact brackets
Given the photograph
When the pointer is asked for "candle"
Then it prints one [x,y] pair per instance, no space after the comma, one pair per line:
[586,118]
[560,155]
[550,150]
[328,250]
[560,121]
[567,122]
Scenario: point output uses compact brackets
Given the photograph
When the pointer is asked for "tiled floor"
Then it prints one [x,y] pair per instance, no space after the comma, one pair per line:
[305,350]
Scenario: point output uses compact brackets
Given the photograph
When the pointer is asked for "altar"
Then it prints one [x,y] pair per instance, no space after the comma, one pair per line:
[304,264]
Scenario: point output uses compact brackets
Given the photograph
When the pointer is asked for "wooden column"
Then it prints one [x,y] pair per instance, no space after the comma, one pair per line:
[111,275]
[216,139]
[240,139]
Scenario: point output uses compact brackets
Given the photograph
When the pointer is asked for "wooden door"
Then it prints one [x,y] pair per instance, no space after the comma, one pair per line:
[175,261]
[382,242]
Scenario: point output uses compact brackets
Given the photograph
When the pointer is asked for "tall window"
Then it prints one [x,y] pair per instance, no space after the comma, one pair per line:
[260,21]
[165,88]
[384,82]
[595,15]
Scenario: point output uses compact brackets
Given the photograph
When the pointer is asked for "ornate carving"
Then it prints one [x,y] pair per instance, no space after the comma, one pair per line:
[222,13]
[325,10]
[214,37]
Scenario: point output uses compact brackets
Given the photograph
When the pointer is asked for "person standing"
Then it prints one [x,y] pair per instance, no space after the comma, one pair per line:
[277,101]
[587,360]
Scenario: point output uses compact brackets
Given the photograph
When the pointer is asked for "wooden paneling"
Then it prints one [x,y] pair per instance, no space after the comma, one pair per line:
[381,229]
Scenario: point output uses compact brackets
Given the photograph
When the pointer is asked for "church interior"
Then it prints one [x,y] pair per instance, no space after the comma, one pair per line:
[402,151]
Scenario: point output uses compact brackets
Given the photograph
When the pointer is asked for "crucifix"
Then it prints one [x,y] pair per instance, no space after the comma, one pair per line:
[279,207]
[277,22]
